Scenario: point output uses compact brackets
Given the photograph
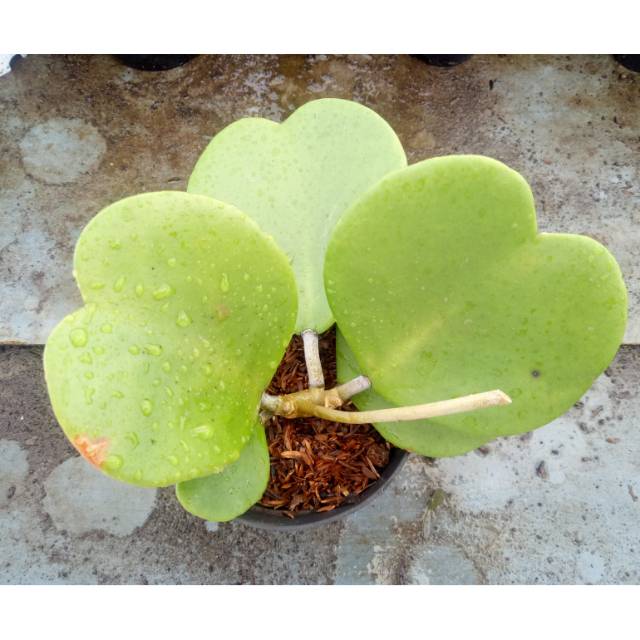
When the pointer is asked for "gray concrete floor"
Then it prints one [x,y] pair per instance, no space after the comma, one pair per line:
[560,505]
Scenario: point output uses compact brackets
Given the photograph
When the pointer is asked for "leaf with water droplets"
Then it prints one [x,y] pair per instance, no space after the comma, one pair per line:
[228,494]
[295,179]
[146,371]
[442,287]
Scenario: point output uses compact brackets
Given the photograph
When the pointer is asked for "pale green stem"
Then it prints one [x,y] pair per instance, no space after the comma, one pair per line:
[306,408]
[312,359]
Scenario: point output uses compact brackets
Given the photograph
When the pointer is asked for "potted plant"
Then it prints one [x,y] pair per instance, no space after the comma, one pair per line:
[456,321]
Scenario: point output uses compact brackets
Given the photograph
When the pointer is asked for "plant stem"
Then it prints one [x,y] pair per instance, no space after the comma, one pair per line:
[312,359]
[353,387]
[292,407]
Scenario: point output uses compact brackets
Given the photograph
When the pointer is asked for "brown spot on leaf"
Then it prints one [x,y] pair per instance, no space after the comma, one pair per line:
[222,312]
[95,451]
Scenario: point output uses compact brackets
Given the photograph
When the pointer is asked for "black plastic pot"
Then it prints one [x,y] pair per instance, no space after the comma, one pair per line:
[629,61]
[156,61]
[264,518]
[442,60]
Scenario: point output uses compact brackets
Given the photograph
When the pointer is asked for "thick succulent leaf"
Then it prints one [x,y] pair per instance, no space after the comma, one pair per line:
[188,310]
[297,178]
[228,494]
[442,287]
[427,437]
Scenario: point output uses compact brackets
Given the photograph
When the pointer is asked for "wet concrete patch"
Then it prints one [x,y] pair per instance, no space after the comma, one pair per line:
[80,499]
[62,149]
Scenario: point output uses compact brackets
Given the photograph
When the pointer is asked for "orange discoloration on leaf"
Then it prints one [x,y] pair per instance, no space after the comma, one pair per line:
[222,312]
[95,451]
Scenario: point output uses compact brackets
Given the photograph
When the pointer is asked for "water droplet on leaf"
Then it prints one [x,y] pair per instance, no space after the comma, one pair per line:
[118,285]
[78,337]
[88,395]
[204,431]
[146,406]
[183,320]
[112,463]
[163,291]
[153,349]
[133,438]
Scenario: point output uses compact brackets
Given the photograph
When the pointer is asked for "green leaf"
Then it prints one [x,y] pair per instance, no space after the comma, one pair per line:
[228,494]
[188,310]
[442,287]
[426,437]
[295,180]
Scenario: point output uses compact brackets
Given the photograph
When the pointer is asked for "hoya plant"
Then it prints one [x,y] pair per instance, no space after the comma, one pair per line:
[458,322]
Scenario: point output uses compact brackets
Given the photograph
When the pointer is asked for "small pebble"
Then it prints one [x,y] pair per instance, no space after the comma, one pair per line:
[541,470]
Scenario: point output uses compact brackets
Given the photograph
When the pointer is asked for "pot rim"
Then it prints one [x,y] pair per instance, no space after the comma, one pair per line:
[271,519]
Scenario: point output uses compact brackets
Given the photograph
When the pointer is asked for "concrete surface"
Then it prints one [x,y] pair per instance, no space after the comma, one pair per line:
[558,506]
[78,132]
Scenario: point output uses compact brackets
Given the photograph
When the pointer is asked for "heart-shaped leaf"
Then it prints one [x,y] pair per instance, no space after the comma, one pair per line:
[188,310]
[295,180]
[442,288]
[426,437]
[228,494]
